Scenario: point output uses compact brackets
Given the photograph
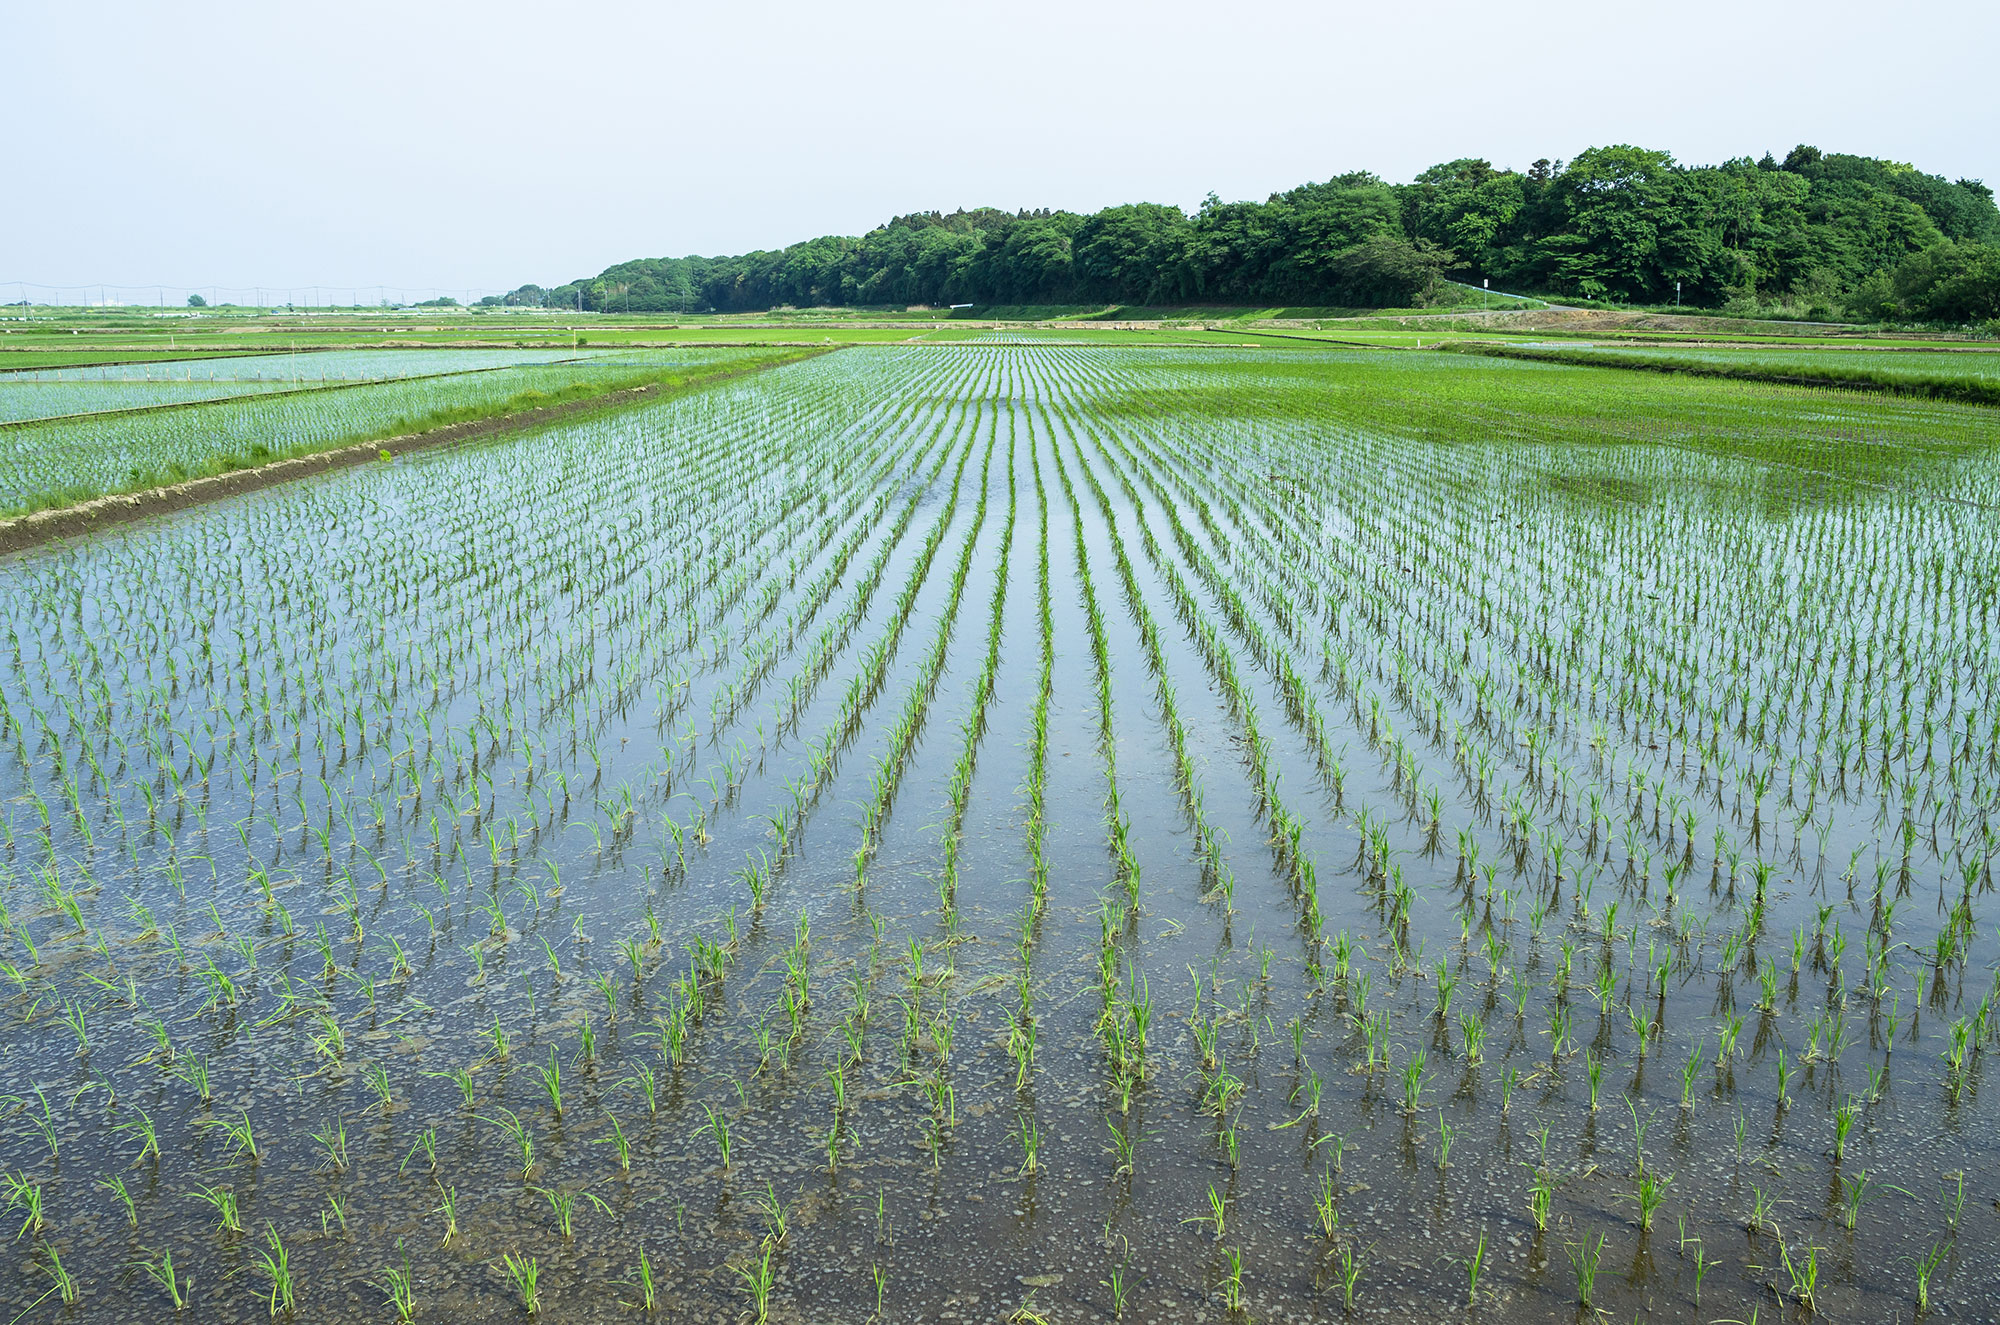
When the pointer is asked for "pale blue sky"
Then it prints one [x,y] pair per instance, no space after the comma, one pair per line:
[470,147]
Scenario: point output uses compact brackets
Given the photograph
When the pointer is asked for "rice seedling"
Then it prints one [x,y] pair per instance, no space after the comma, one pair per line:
[1541,1198]
[642,1280]
[26,1197]
[1474,1264]
[1115,1284]
[160,1269]
[774,1211]
[223,1201]
[525,1274]
[400,1287]
[1650,1193]
[552,1082]
[448,1207]
[517,1132]
[717,1128]
[1803,1273]
[425,1145]
[563,1203]
[332,1141]
[755,1273]
[1583,1258]
[273,1262]
[1324,1208]
[1926,1267]
[65,1288]
[1352,1262]
[1855,1189]
[1843,1123]
[1232,1279]
[116,1186]
[1688,1074]
[1217,1213]
[1030,1137]
[1702,1265]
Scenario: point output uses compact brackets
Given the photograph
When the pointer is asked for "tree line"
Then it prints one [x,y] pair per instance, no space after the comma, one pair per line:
[1814,234]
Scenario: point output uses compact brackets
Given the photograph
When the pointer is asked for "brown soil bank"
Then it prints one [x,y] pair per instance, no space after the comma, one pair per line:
[123,508]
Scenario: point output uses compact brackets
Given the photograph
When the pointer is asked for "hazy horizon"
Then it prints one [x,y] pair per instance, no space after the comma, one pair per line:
[469,149]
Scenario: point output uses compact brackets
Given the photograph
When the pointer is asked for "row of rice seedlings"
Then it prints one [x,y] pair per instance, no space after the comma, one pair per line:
[973,730]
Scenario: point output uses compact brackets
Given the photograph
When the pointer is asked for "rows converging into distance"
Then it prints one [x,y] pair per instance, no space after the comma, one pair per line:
[990,831]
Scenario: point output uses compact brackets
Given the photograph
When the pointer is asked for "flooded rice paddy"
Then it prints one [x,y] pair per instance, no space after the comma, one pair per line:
[996,833]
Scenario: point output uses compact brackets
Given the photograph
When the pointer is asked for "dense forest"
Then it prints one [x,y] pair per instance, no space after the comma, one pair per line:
[1816,234]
